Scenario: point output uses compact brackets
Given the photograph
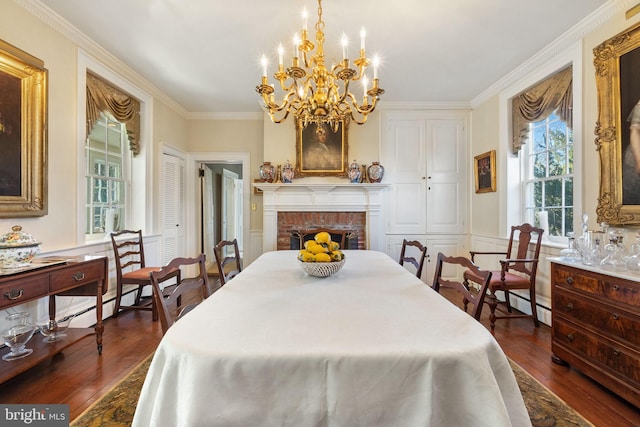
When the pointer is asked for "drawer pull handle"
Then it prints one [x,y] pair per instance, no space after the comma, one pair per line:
[78,276]
[14,294]
[570,280]
[570,337]
[615,316]
[569,307]
[616,287]
[616,352]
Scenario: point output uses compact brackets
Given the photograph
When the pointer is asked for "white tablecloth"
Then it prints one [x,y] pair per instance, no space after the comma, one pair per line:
[369,346]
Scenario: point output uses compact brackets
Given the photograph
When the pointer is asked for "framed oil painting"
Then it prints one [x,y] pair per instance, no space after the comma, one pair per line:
[617,64]
[485,172]
[321,151]
[23,116]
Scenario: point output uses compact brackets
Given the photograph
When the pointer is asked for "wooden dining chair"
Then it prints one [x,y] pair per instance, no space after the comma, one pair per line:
[228,260]
[186,290]
[131,269]
[518,271]
[468,295]
[414,253]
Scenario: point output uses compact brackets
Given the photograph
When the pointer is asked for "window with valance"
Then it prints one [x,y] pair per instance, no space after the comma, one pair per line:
[103,97]
[553,95]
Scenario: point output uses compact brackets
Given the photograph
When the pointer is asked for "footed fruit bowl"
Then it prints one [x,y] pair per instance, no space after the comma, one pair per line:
[321,257]
[322,269]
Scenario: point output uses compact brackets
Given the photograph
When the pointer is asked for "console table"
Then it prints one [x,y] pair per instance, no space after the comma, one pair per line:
[70,276]
[596,325]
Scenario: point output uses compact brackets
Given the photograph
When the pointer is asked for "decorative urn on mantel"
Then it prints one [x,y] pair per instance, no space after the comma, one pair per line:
[375,172]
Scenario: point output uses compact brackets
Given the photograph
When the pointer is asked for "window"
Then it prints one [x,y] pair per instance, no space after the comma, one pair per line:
[548,180]
[106,177]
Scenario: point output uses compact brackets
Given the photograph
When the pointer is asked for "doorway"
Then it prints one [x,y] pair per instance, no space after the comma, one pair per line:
[221,207]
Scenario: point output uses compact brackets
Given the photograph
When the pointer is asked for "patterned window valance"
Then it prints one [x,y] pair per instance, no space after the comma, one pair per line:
[101,96]
[539,102]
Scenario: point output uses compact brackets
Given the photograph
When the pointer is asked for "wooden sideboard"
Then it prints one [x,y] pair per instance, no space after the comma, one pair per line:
[72,276]
[596,325]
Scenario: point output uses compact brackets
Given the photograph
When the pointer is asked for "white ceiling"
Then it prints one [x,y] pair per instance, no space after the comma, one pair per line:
[205,54]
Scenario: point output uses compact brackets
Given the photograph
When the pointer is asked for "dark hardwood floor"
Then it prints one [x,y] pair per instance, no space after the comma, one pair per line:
[79,376]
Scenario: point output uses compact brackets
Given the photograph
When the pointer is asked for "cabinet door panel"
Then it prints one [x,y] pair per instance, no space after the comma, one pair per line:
[446,176]
[405,214]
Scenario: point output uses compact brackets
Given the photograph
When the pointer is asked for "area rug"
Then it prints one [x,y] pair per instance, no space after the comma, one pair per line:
[117,406]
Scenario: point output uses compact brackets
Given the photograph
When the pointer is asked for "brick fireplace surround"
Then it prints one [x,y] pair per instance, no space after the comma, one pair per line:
[340,205]
[290,222]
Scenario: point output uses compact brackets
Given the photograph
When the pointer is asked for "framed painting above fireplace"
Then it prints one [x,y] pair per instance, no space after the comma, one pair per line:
[321,151]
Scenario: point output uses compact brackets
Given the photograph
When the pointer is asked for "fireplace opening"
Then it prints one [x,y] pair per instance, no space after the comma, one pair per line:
[347,239]
[292,224]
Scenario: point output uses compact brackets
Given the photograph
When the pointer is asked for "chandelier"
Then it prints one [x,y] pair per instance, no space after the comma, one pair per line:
[315,93]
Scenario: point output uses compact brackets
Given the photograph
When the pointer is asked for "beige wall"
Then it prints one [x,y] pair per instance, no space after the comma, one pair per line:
[485,136]
[232,136]
[57,230]
[363,141]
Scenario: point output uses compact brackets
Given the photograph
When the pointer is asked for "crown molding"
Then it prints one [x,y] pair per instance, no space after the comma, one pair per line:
[443,105]
[575,34]
[225,116]
[41,11]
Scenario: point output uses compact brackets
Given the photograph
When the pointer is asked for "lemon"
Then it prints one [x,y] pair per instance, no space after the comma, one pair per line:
[334,246]
[308,257]
[337,255]
[301,254]
[317,249]
[323,237]
[309,243]
[323,257]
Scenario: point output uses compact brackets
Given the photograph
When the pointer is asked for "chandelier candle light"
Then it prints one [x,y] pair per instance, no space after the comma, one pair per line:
[314,93]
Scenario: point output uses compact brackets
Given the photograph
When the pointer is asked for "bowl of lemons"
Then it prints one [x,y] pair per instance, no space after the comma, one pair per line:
[321,257]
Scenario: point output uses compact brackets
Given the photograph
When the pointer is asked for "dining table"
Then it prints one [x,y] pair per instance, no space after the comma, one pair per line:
[370,345]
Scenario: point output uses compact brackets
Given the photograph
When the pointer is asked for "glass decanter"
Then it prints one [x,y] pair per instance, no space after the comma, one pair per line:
[570,253]
[613,261]
[633,262]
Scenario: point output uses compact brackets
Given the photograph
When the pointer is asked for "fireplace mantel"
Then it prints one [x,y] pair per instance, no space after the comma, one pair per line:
[322,197]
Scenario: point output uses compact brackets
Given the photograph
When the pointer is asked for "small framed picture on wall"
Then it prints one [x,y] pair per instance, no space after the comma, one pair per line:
[485,172]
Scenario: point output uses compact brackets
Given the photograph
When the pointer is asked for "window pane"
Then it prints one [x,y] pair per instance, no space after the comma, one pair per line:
[568,192]
[557,162]
[557,134]
[553,193]
[540,165]
[539,138]
[555,222]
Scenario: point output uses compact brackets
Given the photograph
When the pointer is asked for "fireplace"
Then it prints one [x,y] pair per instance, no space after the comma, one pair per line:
[340,206]
[291,224]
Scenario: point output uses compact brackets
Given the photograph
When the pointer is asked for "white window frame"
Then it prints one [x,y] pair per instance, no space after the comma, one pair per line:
[513,174]
[139,193]
[124,173]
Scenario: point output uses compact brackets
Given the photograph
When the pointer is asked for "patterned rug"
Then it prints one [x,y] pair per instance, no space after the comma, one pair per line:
[117,406]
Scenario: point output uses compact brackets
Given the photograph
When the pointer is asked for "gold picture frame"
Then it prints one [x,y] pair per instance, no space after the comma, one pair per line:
[485,172]
[23,134]
[617,64]
[320,151]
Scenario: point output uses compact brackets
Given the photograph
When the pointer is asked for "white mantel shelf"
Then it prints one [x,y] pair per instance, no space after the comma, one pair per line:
[322,197]
[317,186]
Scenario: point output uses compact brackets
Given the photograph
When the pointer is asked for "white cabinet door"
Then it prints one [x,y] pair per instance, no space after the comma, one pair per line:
[425,156]
[446,176]
[405,167]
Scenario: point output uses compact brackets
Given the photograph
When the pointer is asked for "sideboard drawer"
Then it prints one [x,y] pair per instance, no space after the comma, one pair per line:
[23,290]
[76,275]
[607,355]
[607,319]
[619,290]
